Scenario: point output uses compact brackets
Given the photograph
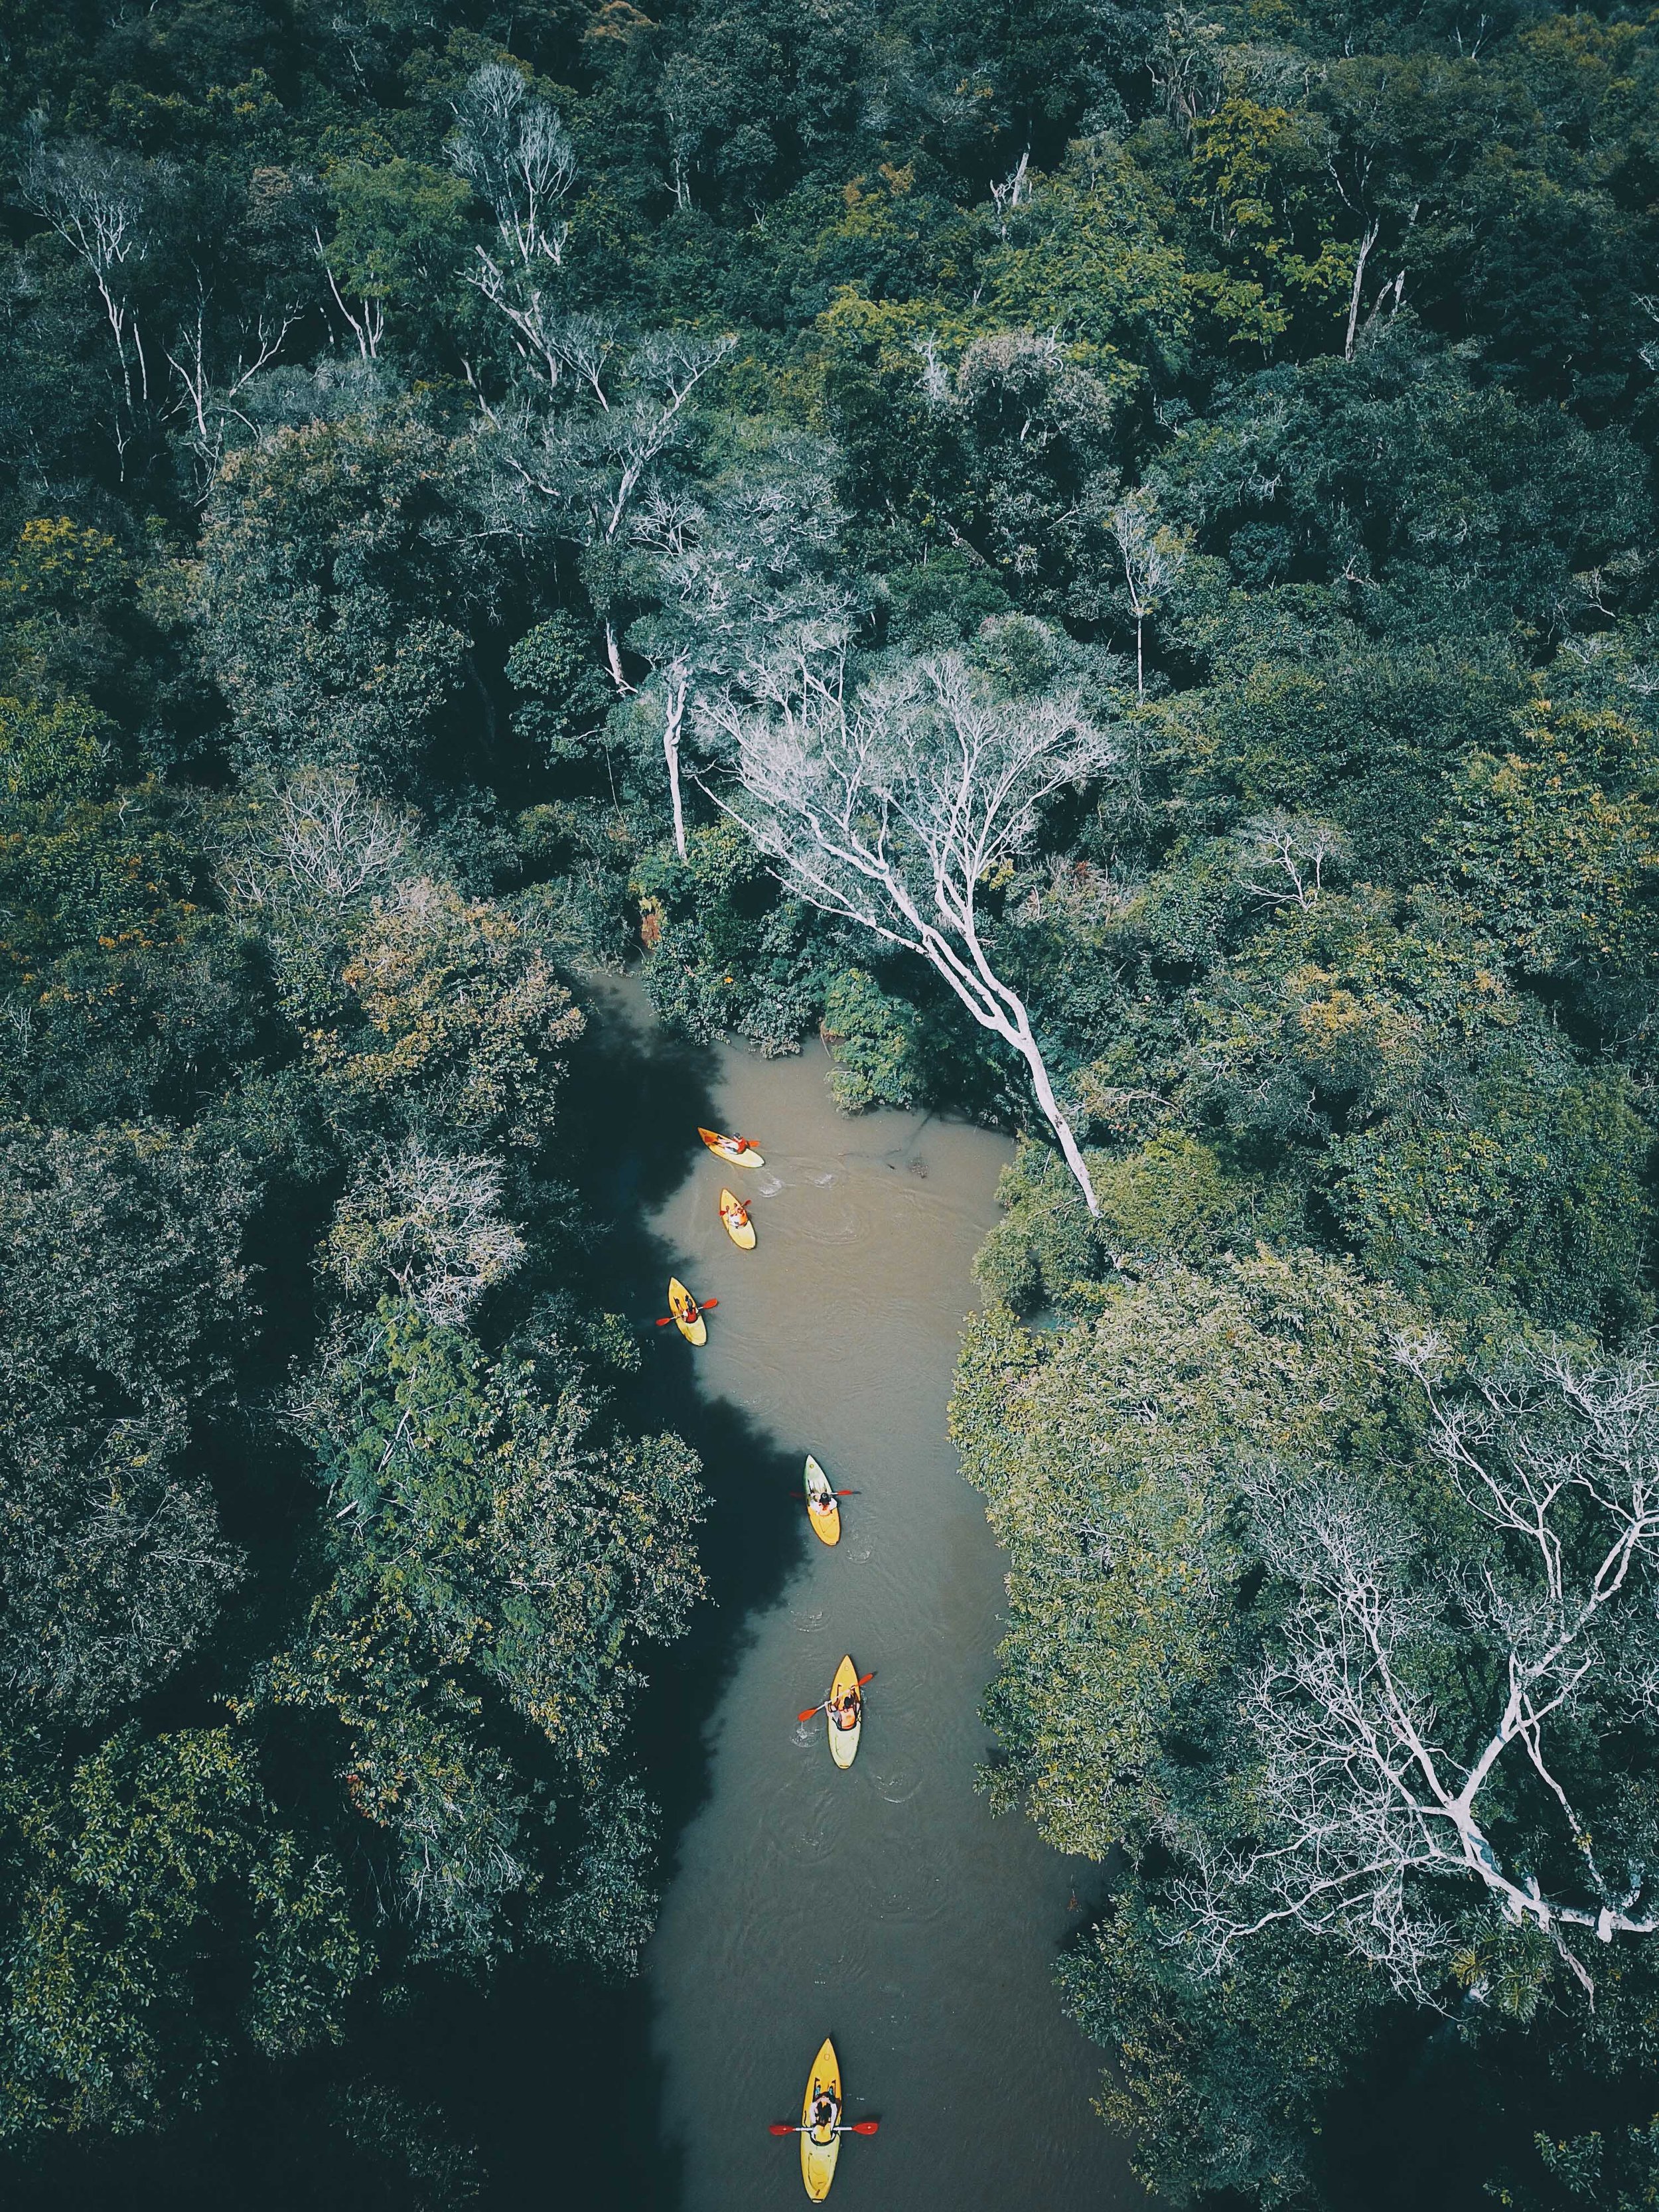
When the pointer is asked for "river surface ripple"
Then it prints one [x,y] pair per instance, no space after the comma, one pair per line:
[884,1906]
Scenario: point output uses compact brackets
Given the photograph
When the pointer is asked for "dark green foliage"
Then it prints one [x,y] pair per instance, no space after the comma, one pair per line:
[486,1541]
[1533,502]
[564,697]
[939,602]
[411,2157]
[1151,1607]
[1616,2172]
[123,1299]
[725,951]
[157,1912]
[333,599]
[873,1040]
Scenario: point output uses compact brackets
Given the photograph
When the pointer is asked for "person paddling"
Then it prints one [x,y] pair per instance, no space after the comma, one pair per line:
[826,2113]
[844,1712]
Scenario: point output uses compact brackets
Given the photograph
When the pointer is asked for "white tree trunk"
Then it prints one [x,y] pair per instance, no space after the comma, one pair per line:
[996,1006]
[673,716]
[1365,245]
[1026,1045]
[873,814]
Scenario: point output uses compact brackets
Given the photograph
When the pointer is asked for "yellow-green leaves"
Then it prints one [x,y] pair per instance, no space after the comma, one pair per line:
[1103,1451]
[1555,843]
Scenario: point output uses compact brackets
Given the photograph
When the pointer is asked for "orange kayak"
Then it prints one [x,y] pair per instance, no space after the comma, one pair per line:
[739,1227]
[738,1150]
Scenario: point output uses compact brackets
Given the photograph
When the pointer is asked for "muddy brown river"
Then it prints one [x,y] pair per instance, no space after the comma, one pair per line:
[884,1906]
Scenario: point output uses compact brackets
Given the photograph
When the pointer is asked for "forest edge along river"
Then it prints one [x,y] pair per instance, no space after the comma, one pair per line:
[881,1906]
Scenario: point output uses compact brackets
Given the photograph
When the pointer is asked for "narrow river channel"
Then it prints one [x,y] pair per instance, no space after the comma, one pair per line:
[884,1905]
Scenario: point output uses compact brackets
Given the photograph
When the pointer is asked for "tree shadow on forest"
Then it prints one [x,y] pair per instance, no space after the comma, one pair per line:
[549,2072]
[554,2077]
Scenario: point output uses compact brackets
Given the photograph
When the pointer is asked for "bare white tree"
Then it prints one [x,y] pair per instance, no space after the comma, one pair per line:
[894,809]
[319,842]
[431,1220]
[584,463]
[754,561]
[515,151]
[1371,1820]
[584,467]
[674,679]
[1362,254]
[367,321]
[207,403]
[97,201]
[664,372]
[516,154]
[1152,556]
[1283,857]
[1007,196]
[1188,65]
[684,98]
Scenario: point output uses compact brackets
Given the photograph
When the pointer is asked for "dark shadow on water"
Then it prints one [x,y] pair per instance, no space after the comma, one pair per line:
[551,2075]
[632,1107]
[554,2079]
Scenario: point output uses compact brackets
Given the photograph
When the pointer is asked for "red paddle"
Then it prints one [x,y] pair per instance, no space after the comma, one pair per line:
[852,2128]
[708,1306]
[834,1493]
[863,1679]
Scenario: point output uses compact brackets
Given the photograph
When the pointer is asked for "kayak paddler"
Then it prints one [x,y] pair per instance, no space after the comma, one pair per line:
[844,1712]
[826,2113]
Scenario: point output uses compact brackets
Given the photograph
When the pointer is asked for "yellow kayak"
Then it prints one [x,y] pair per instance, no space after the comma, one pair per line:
[844,1741]
[818,2153]
[738,1150]
[687,1317]
[739,1227]
[821,1510]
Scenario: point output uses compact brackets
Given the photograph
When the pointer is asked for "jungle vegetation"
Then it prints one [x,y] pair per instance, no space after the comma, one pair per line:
[1102,557]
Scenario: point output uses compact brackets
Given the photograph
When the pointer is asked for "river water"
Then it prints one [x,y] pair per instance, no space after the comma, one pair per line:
[884,1905]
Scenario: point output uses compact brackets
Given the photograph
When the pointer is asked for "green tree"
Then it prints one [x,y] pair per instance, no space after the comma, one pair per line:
[1552,842]
[398,248]
[1261,1529]
[334,598]
[491,1540]
[124,1299]
[158,1915]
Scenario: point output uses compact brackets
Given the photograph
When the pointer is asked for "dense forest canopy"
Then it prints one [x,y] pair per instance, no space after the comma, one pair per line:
[1104,557]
